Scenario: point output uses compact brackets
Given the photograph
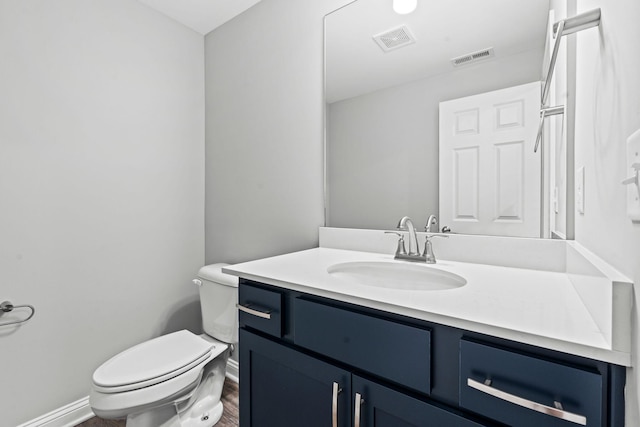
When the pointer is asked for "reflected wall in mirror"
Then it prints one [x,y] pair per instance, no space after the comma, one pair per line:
[386,75]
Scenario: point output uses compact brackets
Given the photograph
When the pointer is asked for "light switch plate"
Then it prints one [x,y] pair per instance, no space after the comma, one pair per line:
[580,190]
[633,189]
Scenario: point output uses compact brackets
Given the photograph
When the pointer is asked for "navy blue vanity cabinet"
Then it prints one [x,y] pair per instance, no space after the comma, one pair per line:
[315,361]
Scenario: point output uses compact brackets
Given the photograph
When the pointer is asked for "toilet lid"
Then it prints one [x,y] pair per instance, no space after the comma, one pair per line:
[152,361]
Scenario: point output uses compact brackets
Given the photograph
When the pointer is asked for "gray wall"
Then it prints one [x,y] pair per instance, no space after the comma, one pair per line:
[101,189]
[382,147]
[264,131]
[607,112]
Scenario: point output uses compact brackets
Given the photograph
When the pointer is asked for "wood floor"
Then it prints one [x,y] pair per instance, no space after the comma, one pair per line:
[229,416]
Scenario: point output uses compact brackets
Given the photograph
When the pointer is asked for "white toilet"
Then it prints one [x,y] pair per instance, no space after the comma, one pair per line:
[174,380]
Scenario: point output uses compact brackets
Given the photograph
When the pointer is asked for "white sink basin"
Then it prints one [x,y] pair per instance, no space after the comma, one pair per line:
[397,275]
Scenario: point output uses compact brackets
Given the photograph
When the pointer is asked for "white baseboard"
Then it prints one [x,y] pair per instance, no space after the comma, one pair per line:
[67,416]
[233,369]
[79,411]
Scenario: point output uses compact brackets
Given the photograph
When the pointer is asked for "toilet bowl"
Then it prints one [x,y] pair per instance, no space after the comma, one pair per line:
[174,380]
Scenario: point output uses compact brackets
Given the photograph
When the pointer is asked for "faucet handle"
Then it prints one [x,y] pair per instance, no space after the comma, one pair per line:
[430,258]
[400,250]
[432,223]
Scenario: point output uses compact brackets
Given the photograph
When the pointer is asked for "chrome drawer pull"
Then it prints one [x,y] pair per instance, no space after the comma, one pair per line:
[359,401]
[247,309]
[525,403]
[334,405]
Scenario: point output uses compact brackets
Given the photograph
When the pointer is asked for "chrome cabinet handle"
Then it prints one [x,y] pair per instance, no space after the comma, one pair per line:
[525,403]
[247,309]
[359,401]
[334,405]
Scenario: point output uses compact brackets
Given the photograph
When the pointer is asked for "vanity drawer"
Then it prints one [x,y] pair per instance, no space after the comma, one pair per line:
[260,309]
[522,390]
[388,349]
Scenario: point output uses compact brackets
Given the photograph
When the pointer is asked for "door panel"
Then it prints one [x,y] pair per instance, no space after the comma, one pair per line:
[509,183]
[466,189]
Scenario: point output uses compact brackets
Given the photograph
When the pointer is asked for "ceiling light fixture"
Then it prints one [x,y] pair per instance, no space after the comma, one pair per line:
[404,7]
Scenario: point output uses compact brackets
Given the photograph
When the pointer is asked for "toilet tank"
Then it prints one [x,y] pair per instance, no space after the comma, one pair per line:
[218,299]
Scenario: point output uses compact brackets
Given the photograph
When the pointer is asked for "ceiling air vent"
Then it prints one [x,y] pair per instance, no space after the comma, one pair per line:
[394,38]
[472,57]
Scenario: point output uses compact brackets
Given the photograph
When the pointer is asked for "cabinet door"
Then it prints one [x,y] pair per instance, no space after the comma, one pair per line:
[281,387]
[383,407]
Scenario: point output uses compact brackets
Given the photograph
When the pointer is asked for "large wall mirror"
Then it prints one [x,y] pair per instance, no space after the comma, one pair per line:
[391,79]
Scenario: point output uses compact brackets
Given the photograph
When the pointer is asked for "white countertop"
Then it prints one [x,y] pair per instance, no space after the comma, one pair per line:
[540,308]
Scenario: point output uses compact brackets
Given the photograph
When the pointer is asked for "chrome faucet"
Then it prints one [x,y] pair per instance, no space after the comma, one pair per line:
[406,224]
[413,254]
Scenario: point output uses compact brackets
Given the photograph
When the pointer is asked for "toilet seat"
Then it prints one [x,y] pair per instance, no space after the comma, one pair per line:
[116,394]
[152,362]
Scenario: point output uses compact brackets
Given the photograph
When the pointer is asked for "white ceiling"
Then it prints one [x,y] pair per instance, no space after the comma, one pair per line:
[355,64]
[202,16]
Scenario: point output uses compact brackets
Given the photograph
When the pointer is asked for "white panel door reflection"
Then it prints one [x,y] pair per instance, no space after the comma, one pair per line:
[489,174]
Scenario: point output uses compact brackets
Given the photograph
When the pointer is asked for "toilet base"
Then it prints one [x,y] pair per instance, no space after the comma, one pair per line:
[164,416]
[201,408]
[202,415]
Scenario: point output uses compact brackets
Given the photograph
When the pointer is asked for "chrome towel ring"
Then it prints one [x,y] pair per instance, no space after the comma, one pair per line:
[7,307]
